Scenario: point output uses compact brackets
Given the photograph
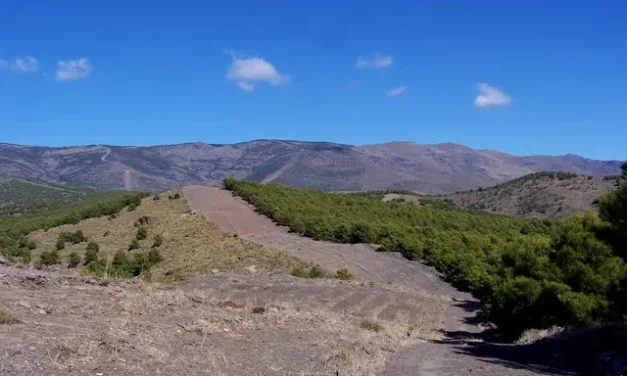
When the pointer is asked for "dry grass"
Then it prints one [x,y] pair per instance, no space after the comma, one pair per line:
[191,244]
[356,348]
[7,316]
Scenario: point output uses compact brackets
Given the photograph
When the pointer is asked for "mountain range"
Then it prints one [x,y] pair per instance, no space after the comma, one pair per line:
[438,168]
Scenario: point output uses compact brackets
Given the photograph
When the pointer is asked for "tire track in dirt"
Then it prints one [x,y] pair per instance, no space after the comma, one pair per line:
[233,215]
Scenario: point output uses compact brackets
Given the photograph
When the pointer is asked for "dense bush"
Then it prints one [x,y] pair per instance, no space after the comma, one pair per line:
[142,233]
[49,258]
[72,237]
[125,266]
[527,272]
[93,246]
[73,260]
[91,255]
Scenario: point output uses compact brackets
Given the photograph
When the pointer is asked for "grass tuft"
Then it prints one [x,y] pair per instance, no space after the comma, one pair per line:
[7,317]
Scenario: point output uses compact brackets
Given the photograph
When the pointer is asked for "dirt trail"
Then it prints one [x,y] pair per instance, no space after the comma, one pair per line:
[429,358]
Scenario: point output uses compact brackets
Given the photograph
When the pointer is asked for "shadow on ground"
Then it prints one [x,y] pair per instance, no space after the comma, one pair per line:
[592,351]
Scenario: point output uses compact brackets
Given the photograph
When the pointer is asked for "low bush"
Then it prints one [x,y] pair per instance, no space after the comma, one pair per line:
[125,266]
[313,272]
[91,255]
[142,233]
[93,246]
[7,317]
[49,258]
[73,260]
[72,237]
[133,245]
[344,274]
[157,241]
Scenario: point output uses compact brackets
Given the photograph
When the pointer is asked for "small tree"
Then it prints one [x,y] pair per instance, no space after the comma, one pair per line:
[134,245]
[142,233]
[158,240]
[73,260]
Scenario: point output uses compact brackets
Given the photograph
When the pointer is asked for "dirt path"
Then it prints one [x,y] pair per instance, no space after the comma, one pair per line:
[429,358]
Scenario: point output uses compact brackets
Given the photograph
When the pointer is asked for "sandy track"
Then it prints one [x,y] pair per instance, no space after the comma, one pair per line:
[429,358]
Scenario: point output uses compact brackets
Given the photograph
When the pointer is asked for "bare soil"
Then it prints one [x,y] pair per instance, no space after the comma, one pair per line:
[450,355]
[228,324]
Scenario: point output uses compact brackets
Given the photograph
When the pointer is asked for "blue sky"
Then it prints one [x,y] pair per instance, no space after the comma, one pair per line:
[526,77]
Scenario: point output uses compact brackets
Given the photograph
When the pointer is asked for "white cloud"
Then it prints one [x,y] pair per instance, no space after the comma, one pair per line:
[248,72]
[489,96]
[69,70]
[27,64]
[377,61]
[396,91]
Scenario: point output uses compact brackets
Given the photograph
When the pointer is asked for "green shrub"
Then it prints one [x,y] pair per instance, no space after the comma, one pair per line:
[90,255]
[125,266]
[7,317]
[132,207]
[158,241]
[133,245]
[60,244]
[142,233]
[313,272]
[344,274]
[72,237]
[98,267]
[73,260]
[31,245]
[49,258]
[93,246]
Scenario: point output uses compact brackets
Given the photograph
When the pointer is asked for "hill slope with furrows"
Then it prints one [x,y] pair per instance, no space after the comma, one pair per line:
[551,195]
[440,168]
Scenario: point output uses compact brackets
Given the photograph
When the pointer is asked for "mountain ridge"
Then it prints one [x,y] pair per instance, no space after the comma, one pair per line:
[430,168]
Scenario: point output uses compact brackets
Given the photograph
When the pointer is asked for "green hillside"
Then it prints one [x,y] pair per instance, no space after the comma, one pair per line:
[528,273]
[24,198]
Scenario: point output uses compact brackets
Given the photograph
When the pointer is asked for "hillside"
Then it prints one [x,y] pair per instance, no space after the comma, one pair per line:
[205,301]
[551,195]
[440,168]
[539,194]
[528,273]
[189,245]
[20,197]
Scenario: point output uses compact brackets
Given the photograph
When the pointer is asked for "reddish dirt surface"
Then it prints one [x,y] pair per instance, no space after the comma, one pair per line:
[460,352]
